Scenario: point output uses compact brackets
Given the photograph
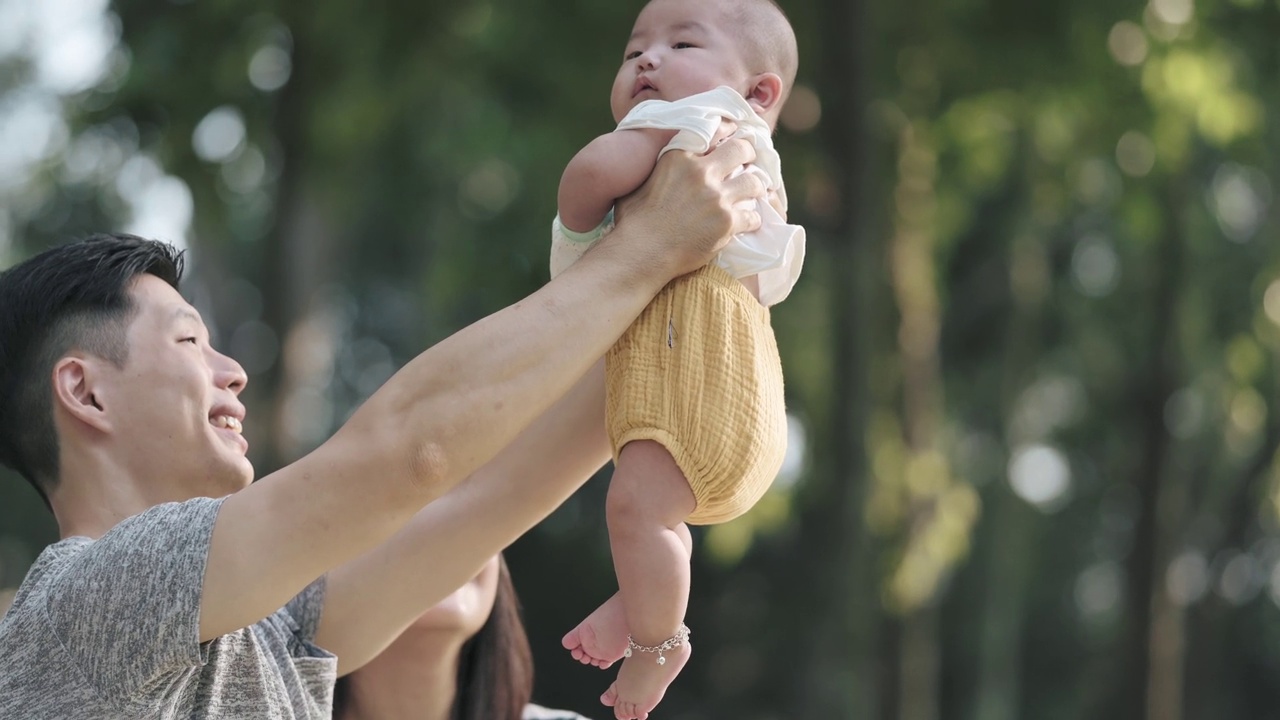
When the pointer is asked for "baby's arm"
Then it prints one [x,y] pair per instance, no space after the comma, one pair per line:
[609,167]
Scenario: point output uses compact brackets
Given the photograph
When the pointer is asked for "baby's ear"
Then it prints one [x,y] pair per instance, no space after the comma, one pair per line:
[766,91]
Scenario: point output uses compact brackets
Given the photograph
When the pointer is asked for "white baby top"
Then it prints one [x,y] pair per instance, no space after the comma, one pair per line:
[775,252]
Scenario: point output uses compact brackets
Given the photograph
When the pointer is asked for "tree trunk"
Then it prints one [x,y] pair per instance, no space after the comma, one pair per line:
[836,680]
[913,272]
[298,259]
[1156,380]
[1012,524]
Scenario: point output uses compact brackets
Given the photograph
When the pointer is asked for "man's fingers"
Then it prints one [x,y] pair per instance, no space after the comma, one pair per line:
[744,221]
[730,155]
[775,201]
[747,186]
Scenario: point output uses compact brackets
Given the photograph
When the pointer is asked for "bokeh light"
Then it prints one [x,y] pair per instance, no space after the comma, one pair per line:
[270,67]
[1173,12]
[489,188]
[1187,579]
[793,463]
[219,135]
[1135,154]
[72,42]
[1127,43]
[1099,588]
[1240,197]
[1095,266]
[803,110]
[1184,413]
[1271,301]
[31,130]
[1240,579]
[1039,474]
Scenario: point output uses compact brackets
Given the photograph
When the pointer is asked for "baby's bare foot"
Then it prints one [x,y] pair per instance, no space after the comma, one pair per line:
[642,682]
[601,639]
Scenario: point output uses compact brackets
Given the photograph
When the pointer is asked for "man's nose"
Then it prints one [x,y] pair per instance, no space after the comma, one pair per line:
[229,374]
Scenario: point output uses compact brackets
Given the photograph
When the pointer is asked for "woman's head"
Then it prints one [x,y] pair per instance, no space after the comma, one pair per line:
[495,663]
[495,670]
[468,608]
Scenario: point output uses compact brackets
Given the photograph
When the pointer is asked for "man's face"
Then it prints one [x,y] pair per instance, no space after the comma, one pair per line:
[173,407]
[677,48]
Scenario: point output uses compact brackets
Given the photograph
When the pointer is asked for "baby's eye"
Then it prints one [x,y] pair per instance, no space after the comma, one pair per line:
[683,45]
[193,341]
[632,55]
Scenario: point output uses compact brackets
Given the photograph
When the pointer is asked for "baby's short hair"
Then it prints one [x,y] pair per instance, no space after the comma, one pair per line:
[769,41]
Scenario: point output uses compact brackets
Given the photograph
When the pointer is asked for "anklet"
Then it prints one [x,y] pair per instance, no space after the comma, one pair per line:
[671,643]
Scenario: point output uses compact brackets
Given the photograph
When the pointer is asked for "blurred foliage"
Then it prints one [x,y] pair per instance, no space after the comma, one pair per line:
[1033,364]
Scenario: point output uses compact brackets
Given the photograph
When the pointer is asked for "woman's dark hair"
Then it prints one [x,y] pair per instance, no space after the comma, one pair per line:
[495,672]
[495,669]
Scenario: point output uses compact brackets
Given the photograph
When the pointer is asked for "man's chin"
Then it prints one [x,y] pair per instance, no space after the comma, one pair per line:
[236,477]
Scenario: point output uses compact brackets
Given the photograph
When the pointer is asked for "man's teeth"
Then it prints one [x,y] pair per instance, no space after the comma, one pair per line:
[228,422]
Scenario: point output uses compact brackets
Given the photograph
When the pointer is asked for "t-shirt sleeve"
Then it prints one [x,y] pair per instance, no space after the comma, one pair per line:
[306,608]
[127,609]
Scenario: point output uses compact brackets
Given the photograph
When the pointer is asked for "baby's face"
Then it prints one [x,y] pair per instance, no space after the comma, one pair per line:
[677,48]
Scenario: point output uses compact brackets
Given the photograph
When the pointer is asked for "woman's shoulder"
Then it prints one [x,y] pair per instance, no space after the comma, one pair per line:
[537,712]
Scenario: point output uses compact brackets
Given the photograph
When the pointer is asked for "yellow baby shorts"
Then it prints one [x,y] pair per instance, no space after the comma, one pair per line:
[699,373]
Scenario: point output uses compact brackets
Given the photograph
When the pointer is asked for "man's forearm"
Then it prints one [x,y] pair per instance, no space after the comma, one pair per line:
[436,421]
[459,403]
[371,599]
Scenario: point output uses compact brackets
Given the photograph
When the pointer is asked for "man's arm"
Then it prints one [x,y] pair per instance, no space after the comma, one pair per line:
[456,405]
[370,600]
[609,167]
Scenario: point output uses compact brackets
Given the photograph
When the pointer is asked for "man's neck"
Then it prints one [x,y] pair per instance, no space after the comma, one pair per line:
[77,518]
[416,677]
[93,497]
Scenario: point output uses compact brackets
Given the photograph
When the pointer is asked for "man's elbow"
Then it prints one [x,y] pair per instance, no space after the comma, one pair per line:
[428,467]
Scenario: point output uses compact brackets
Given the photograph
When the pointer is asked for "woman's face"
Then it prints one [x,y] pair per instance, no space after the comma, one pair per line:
[467,609]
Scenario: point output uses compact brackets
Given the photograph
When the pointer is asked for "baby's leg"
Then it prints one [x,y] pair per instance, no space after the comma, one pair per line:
[601,639]
[649,499]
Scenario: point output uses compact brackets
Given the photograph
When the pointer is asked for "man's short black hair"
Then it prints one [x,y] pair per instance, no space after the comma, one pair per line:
[71,297]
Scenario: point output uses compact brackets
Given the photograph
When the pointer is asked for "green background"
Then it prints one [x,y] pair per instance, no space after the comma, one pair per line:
[1032,363]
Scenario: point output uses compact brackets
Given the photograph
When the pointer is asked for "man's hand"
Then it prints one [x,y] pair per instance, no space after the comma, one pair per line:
[690,207]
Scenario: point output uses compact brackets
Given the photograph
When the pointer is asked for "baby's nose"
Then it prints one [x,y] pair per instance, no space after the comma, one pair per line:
[649,60]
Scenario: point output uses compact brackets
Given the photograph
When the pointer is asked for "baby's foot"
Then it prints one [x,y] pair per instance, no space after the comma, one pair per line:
[642,682]
[601,639]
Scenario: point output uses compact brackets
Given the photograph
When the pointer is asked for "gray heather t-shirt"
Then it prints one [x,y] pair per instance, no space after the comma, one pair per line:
[110,629]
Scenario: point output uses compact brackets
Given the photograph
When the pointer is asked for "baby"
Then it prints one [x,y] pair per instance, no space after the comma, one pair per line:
[695,403]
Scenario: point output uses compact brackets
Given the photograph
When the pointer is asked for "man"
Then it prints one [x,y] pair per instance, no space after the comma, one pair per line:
[179,589]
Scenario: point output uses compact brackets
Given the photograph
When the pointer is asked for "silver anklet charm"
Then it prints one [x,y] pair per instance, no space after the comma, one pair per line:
[671,643]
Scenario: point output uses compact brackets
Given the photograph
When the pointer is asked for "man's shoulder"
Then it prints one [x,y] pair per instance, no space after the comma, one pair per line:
[39,679]
[48,565]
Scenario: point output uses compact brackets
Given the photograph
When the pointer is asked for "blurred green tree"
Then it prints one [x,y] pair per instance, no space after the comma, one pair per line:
[1034,362]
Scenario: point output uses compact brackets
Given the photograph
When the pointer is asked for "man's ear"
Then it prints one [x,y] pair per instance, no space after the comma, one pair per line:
[73,391]
[766,91]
